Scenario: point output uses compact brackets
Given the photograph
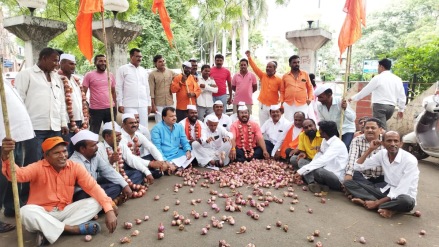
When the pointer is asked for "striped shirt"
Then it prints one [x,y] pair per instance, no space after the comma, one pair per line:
[359,145]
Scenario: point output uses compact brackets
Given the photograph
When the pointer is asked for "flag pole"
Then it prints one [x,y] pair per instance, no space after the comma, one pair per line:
[181,62]
[11,162]
[104,34]
[345,86]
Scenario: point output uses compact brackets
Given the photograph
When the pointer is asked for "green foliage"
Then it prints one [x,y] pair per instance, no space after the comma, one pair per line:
[256,39]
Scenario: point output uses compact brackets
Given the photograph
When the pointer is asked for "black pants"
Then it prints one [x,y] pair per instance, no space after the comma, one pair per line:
[6,195]
[71,147]
[97,117]
[269,146]
[181,114]
[240,157]
[155,172]
[112,191]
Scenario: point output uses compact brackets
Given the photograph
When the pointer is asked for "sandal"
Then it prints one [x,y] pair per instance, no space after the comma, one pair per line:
[89,228]
[41,240]
[5,227]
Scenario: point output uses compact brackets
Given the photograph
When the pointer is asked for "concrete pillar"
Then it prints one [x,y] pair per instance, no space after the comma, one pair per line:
[36,33]
[119,34]
[308,41]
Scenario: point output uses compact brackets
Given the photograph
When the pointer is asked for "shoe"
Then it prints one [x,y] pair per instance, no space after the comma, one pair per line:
[41,240]
[5,227]
[315,188]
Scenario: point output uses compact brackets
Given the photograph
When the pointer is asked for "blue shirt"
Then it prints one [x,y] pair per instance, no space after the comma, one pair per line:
[172,144]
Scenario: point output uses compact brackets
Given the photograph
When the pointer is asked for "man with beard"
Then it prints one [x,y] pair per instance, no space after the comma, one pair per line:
[221,75]
[296,89]
[326,170]
[248,142]
[274,129]
[244,85]
[132,87]
[160,81]
[309,144]
[208,86]
[401,175]
[194,129]
[224,120]
[186,89]
[269,89]
[85,144]
[194,68]
[97,82]
[287,145]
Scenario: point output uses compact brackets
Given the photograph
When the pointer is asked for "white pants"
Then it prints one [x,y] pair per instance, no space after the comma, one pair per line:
[289,110]
[143,115]
[51,224]
[264,113]
[205,154]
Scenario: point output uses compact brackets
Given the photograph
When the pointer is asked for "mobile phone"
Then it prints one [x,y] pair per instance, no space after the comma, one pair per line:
[216,137]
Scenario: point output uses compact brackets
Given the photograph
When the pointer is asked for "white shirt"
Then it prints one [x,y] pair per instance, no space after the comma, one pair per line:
[386,89]
[401,176]
[333,156]
[20,124]
[132,86]
[130,159]
[225,121]
[205,99]
[295,134]
[274,131]
[44,100]
[146,146]
[145,131]
[76,96]
[203,129]
[334,114]
[220,132]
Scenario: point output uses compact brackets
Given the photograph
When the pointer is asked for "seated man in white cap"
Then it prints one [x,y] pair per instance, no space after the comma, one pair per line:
[193,128]
[75,98]
[275,129]
[330,108]
[85,143]
[247,142]
[234,116]
[142,129]
[224,120]
[214,149]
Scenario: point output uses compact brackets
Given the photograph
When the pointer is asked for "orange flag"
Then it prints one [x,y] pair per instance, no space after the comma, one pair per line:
[164,18]
[351,29]
[84,25]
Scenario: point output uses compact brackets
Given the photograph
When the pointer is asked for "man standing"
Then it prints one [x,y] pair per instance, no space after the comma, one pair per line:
[75,99]
[50,210]
[132,87]
[309,145]
[194,129]
[214,149]
[221,75]
[194,68]
[387,92]
[169,137]
[296,89]
[160,81]
[247,142]
[224,120]
[327,168]
[43,94]
[288,144]
[274,129]
[100,106]
[401,175]
[244,85]
[186,89]
[330,109]
[269,89]
[208,86]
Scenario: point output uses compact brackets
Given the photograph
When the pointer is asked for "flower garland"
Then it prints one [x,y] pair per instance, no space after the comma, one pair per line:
[248,153]
[188,129]
[68,90]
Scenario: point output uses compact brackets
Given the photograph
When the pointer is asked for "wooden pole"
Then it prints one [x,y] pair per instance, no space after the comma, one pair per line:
[11,162]
[181,62]
[345,87]
[104,33]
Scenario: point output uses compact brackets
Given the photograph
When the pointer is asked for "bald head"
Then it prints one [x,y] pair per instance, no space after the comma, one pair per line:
[271,68]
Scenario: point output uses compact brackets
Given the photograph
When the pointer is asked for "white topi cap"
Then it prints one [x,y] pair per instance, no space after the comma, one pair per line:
[108,126]
[128,115]
[69,57]
[191,107]
[212,118]
[242,108]
[274,107]
[84,135]
[187,64]
[218,102]
[241,103]
[321,88]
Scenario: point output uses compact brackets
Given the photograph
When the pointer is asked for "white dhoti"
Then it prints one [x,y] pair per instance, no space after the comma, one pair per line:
[51,224]
[211,151]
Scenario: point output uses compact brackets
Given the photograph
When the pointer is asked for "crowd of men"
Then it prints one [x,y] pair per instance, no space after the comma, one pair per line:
[63,165]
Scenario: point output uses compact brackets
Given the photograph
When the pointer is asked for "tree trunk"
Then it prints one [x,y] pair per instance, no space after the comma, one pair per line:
[224,46]
[211,54]
[233,58]
[244,31]
[215,44]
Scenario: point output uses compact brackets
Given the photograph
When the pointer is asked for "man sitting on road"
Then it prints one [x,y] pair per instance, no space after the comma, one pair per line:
[50,210]
[142,129]
[309,145]
[274,129]
[194,129]
[401,174]
[224,120]
[327,168]
[287,145]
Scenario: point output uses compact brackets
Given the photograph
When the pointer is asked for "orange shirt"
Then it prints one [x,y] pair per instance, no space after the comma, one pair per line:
[270,86]
[296,90]
[181,91]
[289,142]
[50,189]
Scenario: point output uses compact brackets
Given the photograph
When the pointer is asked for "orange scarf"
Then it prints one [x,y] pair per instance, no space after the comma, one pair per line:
[289,142]
[187,130]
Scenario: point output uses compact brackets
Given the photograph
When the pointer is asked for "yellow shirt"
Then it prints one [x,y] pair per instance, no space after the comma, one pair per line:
[310,148]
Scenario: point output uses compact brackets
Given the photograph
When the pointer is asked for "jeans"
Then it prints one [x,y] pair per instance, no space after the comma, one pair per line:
[203,111]
[347,139]
[99,116]
[6,195]
[222,98]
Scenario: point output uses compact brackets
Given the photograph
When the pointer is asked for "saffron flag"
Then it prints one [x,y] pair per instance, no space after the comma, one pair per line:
[84,25]
[351,30]
[159,5]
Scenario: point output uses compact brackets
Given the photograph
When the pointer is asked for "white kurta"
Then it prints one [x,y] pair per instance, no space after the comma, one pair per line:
[275,132]
[205,152]
[146,146]
[205,99]
[225,121]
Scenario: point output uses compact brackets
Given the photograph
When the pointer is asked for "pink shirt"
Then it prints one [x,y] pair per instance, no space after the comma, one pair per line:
[244,87]
[236,131]
[98,86]
[220,76]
